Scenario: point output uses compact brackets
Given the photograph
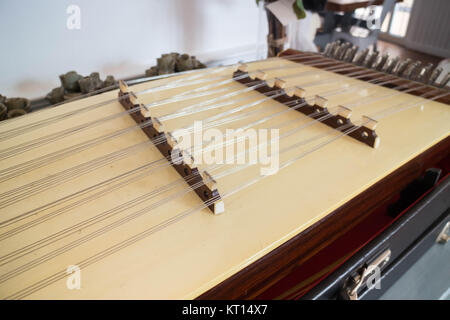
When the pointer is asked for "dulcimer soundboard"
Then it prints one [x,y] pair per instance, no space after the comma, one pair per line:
[106,189]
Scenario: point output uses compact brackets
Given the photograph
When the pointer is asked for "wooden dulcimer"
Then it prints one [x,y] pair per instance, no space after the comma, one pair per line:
[214,183]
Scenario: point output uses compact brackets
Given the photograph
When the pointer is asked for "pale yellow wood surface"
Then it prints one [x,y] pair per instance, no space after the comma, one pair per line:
[192,255]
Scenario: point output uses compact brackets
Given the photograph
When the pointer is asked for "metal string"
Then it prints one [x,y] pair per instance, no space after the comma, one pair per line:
[164,224]
[25,190]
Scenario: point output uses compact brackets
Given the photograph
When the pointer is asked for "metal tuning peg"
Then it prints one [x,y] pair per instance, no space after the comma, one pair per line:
[360,57]
[381,61]
[390,65]
[347,55]
[434,75]
[331,49]
[445,81]
[336,50]
[424,73]
[415,74]
[343,50]
[367,59]
[387,67]
[370,58]
[401,67]
[409,71]
[375,56]
[326,52]
[350,54]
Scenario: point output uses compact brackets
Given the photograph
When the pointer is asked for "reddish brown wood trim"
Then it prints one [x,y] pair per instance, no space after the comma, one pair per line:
[263,273]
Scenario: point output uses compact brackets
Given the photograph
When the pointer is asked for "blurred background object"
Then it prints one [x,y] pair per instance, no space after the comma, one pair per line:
[174,62]
[118,38]
[292,24]
[361,30]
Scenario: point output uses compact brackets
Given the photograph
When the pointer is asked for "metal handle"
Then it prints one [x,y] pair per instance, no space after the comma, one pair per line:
[360,279]
[444,235]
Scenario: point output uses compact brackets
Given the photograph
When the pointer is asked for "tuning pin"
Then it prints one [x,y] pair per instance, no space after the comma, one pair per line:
[401,67]
[434,75]
[409,71]
[347,54]
[360,57]
[380,62]
[417,71]
[336,49]
[337,52]
[326,52]
[424,73]
[445,81]
[367,58]
[370,58]
[390,65]
[373,59]
[343,50]
[350,54]
[340,50]
[333,46]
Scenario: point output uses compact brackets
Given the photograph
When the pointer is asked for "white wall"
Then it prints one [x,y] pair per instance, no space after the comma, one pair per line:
[122,38]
